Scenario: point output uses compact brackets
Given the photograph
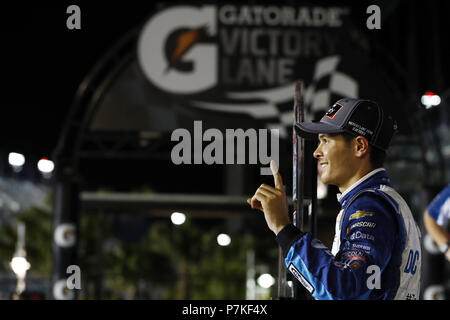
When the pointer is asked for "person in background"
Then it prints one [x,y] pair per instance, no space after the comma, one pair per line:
[436,218]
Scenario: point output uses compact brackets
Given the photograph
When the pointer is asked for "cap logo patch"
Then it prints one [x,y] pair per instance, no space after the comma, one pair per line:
[333,110]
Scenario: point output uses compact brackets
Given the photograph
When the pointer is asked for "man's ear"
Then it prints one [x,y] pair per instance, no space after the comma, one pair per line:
[361,146]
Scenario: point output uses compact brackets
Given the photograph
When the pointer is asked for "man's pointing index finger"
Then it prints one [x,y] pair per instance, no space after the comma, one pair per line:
[276,175]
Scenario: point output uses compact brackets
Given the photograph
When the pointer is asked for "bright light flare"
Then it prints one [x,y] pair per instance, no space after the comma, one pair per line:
[223,239]
[20,266]
[265,280]
[16,159]
[430,99]
[45,166]
[178,218]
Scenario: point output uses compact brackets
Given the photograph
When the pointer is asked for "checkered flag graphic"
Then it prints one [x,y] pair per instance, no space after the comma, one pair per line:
[327,86]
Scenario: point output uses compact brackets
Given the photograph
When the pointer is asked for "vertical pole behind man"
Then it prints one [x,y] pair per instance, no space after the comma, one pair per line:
[301,191]
[298,179]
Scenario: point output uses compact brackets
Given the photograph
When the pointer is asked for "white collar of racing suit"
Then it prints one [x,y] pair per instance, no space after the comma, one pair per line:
[353,186]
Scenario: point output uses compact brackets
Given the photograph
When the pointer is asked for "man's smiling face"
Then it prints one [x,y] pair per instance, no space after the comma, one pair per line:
[335,158]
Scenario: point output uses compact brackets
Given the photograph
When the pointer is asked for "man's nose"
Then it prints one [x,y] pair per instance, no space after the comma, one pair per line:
[317,153]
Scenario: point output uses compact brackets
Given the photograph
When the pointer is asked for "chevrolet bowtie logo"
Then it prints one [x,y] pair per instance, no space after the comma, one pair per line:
[360,214]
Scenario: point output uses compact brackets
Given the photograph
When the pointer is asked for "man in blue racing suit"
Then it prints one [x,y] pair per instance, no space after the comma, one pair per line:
[376,250]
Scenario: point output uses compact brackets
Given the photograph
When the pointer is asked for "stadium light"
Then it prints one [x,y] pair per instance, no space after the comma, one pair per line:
[20,266]
[265,281]
[430,99]
[223,239]
[19,263]
[16,160]
[178,218]
[45,166]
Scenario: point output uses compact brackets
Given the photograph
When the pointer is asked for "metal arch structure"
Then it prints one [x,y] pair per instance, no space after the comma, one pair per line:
[76,143]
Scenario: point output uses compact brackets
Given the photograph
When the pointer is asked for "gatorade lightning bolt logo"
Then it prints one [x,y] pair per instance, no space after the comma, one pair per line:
[183,43]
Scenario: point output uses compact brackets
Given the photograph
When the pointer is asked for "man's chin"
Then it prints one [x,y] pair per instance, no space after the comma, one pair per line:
[326,180]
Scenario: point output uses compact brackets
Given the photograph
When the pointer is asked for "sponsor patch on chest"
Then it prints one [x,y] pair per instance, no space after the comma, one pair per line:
[360,214]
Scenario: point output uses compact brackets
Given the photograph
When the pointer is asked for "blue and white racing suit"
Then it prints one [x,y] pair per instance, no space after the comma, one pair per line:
[376,250]
[439,208]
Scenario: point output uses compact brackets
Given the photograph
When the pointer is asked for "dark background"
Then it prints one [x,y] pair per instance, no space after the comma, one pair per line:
[42,63]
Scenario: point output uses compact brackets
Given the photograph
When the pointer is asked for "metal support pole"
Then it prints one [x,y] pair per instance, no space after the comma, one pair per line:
[65,230]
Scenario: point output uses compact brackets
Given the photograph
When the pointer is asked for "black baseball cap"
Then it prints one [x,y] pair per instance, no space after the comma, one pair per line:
[357,117]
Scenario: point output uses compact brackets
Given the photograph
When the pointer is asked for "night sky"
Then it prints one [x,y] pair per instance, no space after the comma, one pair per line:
[42,62]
